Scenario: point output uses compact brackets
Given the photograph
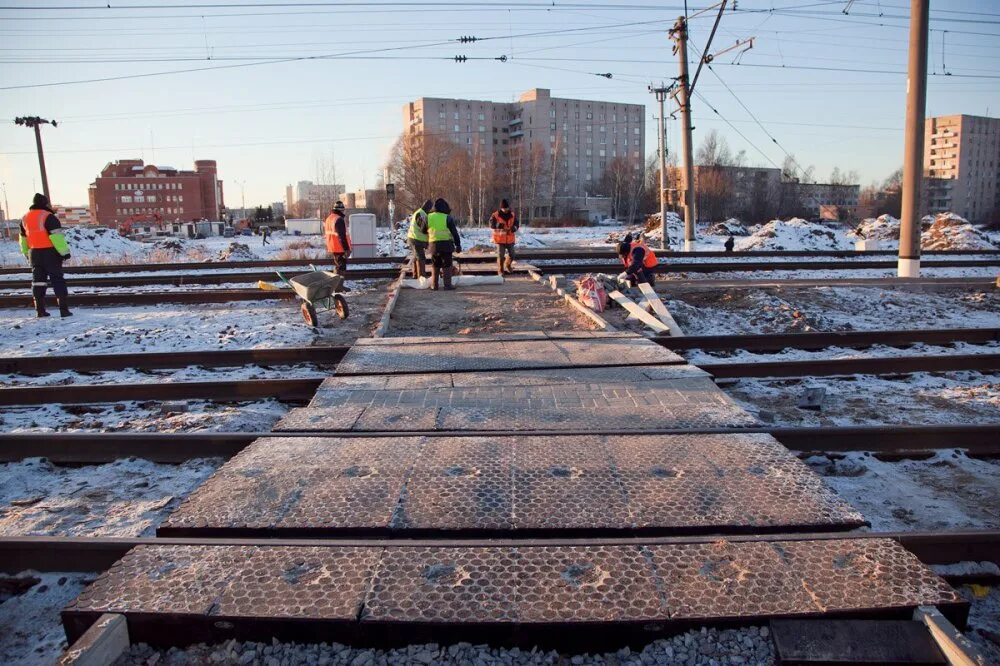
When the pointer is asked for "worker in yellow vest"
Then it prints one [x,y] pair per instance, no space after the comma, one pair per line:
[42,242]
[443,241]
[418,239]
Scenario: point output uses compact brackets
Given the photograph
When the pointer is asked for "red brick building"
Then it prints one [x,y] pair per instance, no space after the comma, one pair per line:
[130,190]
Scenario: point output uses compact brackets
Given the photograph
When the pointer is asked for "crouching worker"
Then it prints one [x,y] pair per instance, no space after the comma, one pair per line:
[504,224]
[443,241]
[338,240]
[42,242]
[639,261]
[418,239]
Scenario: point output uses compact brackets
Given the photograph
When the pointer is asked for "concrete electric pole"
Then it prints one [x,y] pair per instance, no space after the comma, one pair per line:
[36,123]
[913,155]
[683,96]
[661,96]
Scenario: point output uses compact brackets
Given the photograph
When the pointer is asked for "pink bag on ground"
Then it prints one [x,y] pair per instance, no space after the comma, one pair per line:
[591,293]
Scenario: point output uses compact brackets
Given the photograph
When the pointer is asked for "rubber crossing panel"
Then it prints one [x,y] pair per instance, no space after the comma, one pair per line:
[177,594]
[507,485]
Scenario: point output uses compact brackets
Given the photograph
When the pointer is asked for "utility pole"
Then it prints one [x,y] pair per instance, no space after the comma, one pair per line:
[36,123]
[913,155]
[661,96]
[243,200]
[683,95]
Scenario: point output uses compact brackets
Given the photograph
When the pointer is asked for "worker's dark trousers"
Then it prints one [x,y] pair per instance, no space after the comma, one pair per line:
[46,268]
[644,275]
[340,262]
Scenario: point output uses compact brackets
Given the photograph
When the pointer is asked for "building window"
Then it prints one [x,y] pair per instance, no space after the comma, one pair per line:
[126,198]
[482,116]
[458,128]
[590,116]
[482,128]
[635,130]
[441,114]
[151,199]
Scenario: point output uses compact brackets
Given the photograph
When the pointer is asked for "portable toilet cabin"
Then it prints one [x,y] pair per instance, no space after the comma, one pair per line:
[361,227]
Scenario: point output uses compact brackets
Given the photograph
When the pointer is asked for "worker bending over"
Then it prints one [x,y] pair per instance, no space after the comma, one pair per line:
[639,261]
[504,224]
[338,240]
[443,241]
[42,242]
[418,239]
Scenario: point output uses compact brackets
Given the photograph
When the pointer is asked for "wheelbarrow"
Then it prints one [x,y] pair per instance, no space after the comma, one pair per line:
[318,289]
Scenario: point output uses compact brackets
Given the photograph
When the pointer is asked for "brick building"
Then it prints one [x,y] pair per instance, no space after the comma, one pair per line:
[130,189]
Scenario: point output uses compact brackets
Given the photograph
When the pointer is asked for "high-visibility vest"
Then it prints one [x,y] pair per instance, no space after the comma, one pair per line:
[414,231]
[437,228]
[34,226]
[648,258]
[505,234]
[333,244]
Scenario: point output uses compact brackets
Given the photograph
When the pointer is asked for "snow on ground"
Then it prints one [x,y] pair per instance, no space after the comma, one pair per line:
[741,311]
[794,234]
[984,620]
[914,399]
[698,356]
[145,416]
[749,645]
[949,490]
[32,631]
[126,498]
[946,231]
[165,376]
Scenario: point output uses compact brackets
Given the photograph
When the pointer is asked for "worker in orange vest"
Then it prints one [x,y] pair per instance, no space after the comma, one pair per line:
[639,260]
[42,242]
[504,224]
[338,241]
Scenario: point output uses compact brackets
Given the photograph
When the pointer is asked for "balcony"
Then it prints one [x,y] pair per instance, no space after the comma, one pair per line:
[515,121]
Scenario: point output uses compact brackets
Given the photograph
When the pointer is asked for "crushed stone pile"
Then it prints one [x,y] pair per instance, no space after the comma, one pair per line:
[883,227]
[952,232]
[731,227]
[675,227]
[794,234]
[236,252]
[751,645]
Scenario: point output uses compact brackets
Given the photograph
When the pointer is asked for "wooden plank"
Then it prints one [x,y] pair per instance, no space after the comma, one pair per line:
[105,641]
[957,649]
[660,310]
[383,324]
[637,312]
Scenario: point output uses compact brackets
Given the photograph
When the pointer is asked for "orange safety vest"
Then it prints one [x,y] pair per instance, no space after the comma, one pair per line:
[504,235]
[333,244]
[648,258]
[34,226]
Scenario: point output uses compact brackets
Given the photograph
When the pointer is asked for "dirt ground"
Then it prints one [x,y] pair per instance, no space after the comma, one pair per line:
[520,304]
[366,304]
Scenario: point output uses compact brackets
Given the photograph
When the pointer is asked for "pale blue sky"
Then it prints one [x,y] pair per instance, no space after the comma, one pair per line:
[269,124]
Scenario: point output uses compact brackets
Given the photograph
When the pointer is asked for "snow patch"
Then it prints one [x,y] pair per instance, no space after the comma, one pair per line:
[794,234]
[32,631]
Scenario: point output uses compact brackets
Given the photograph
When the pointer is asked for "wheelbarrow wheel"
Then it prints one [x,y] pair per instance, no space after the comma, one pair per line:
[340,305]
[309,314]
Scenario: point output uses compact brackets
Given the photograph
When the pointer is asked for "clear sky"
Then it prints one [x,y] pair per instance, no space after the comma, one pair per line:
[826,85]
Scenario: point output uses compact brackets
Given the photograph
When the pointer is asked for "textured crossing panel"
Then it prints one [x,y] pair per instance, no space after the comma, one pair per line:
[670,484]
[417,355]
[598,587]
[595,399]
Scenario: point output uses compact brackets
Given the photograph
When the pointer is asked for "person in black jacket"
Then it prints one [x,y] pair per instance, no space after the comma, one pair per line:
[442,240]
[42,242]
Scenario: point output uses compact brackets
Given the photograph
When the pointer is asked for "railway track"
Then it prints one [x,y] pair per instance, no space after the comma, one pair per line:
[527,255]
[378,273]
[323,355]
[86,554]
[888,442]
[295,390]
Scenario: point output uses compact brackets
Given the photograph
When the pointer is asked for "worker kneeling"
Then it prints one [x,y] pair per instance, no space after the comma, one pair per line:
[504,224]
[442,240]
[639,260]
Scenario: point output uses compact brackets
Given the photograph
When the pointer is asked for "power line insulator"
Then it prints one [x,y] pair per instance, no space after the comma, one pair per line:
[468,39]
[502,58]
[461,58]
[606,75]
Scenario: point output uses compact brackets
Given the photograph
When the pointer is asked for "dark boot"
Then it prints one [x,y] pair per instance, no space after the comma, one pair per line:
[64,307]
[40,310]
[499,266]
[508,267]
[39,294]
[421,266]
[415,269]
[434,277]
[447,279]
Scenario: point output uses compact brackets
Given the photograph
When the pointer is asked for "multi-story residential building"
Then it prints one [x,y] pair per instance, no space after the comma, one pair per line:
[579,138]
[316,196]
[129,190]
[962,166]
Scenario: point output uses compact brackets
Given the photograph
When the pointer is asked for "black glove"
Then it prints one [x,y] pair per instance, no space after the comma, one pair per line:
[65,257]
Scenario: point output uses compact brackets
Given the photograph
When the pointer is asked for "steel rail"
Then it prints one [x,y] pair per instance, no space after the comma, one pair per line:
[217,358]
[179,280]
[486,257]
[95,554]
[822,340]
[888,442]
[302,389]
[139,298]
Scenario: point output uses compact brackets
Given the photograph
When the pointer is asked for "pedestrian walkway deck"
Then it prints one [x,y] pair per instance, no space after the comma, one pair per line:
[502,486]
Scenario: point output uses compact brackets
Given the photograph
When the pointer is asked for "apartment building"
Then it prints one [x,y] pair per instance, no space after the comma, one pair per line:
[578,137]
[962,166]
[317,196]
[130,190]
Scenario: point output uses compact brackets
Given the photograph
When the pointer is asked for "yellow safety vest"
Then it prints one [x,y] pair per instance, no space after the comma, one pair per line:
[437,228]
